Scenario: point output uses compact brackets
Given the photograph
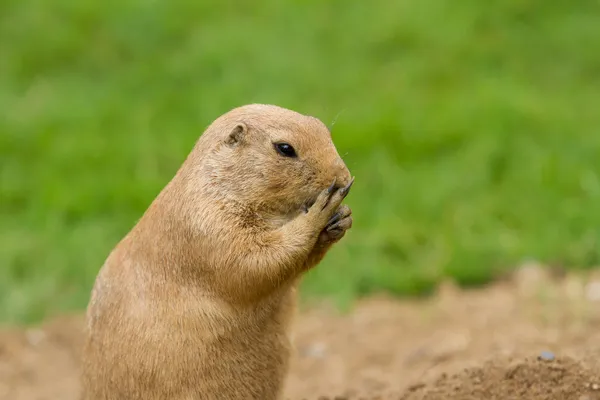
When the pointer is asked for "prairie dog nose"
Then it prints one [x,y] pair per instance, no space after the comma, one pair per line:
[342,175]
[342,180]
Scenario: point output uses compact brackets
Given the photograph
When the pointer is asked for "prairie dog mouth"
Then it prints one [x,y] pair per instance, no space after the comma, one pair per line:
[333,187]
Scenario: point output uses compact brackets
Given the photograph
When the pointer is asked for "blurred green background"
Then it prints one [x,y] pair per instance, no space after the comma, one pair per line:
[471,128]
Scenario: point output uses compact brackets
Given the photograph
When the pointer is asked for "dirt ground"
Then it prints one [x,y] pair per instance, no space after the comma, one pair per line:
[532,336]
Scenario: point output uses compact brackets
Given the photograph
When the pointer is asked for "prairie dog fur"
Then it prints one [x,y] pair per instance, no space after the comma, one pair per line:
[196,301]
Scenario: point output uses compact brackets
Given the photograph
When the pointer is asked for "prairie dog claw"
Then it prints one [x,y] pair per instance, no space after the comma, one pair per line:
[330,188]
[346,189]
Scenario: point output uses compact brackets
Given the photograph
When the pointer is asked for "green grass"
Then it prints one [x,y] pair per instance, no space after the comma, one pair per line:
[472,129]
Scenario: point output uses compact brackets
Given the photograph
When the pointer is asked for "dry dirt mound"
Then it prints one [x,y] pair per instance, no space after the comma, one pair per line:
[458,345]
[528,379]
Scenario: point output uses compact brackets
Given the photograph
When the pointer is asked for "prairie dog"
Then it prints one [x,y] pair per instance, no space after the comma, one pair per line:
[196,301]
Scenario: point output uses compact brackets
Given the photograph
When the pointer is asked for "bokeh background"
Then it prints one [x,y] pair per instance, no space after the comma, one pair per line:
[472,129]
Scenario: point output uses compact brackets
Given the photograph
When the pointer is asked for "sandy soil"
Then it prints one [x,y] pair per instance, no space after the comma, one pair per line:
[529,337]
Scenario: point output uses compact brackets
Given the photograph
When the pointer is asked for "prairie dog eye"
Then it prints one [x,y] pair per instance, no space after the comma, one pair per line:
[285,149]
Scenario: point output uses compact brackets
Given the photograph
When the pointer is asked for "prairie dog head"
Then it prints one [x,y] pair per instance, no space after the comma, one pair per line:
[269,158]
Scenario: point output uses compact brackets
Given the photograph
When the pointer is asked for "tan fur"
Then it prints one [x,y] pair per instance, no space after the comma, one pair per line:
[196,301]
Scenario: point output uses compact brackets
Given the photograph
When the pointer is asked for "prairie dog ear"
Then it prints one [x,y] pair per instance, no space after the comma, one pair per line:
[237,134]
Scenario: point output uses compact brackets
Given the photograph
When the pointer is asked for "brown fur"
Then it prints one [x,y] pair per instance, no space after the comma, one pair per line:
[196,301]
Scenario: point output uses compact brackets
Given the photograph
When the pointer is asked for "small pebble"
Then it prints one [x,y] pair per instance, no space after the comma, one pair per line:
[592,291]
[34,336]
[546,356]
[316,350]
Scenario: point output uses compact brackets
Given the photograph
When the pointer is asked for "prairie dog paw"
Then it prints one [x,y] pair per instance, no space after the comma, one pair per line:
[327,204]
[337,225]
